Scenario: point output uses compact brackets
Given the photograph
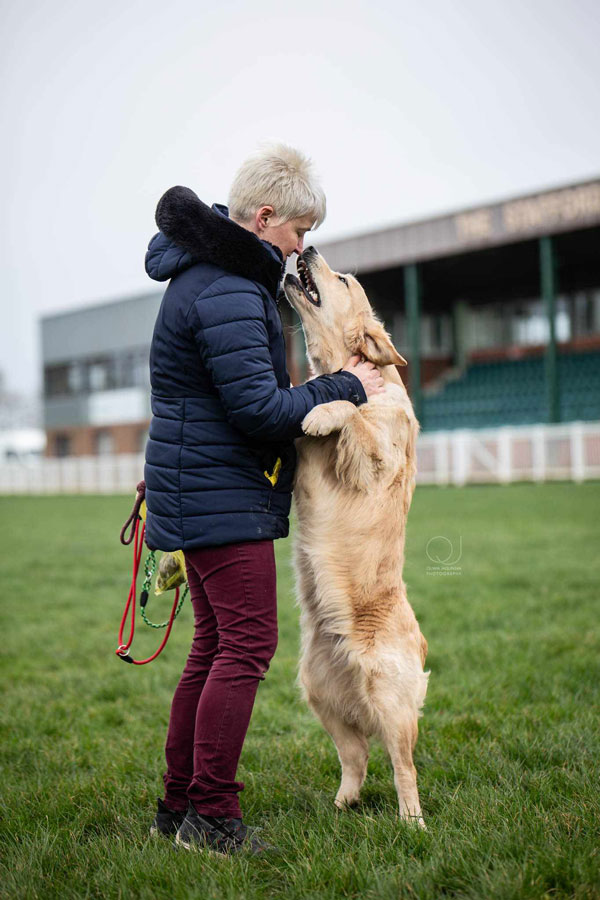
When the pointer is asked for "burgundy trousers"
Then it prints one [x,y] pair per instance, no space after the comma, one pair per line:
[233,591]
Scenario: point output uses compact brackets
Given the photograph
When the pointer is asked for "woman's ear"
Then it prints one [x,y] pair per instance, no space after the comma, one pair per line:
[366,335]
[262,218]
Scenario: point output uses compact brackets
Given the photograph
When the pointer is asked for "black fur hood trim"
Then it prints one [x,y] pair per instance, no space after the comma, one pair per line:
[209,235]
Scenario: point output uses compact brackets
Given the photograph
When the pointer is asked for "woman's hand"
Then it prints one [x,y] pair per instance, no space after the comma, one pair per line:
[368,373]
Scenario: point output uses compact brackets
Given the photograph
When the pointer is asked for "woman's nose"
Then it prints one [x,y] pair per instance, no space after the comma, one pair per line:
[300,245]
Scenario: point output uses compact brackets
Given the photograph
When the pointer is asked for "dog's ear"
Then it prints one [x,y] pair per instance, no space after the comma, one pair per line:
[366,335]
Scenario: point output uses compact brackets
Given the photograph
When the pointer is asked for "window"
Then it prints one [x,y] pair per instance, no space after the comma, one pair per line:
[582,313]
[125,371]
[104,443]
[141,373]
[142,437]
[76,378]
[56,380]
[98,375]
[65,379]
[62,445]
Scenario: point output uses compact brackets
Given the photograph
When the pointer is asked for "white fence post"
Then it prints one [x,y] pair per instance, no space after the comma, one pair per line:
[440,455]
[505,437]
[460,456]
[538,453]
[577,458]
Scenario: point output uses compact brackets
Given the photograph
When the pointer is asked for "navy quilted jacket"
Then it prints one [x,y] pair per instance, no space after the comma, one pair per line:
[223,411]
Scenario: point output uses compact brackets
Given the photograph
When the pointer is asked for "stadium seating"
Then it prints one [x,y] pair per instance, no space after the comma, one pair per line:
[513,392]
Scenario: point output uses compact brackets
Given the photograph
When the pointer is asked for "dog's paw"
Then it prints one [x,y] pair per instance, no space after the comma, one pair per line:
[415,820]
[326,418]
[317,423]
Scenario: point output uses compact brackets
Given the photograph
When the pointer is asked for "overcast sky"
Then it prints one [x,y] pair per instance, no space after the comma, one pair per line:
[408,109]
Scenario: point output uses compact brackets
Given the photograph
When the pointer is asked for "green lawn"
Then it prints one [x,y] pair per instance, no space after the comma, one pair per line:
[508,749]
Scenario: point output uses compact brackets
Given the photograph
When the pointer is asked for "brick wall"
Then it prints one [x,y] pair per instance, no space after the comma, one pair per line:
[89,441]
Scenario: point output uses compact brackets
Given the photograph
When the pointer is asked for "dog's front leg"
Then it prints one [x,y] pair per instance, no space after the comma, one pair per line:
[326,418]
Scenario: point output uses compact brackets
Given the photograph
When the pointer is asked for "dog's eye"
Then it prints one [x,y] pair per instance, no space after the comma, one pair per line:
[345,280]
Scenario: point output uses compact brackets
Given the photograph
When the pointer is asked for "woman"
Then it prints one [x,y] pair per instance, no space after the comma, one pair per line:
[220,463]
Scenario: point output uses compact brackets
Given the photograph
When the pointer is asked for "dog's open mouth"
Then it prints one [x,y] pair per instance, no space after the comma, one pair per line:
[306,283]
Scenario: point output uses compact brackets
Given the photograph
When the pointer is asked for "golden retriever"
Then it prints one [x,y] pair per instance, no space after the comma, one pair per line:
[363,653]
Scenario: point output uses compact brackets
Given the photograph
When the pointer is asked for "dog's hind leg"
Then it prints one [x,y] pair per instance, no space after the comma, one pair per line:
[399,734]
[353,751]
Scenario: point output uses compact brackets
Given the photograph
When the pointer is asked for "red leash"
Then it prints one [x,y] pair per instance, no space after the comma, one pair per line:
[137,537]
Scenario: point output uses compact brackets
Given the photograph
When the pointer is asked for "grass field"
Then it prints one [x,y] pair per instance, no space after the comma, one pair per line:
[508,749]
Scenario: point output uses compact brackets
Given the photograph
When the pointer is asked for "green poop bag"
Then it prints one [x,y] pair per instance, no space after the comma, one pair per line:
[171,572]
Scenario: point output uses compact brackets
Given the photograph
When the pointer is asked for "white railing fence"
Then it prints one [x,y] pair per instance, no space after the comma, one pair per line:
[499,455]
[105,474]
[569,452]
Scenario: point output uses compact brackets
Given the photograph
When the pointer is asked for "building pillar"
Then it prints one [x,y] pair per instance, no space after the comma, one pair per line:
[412,300]
[548,292]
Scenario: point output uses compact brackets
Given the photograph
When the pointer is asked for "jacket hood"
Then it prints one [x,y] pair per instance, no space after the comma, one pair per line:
[192,232]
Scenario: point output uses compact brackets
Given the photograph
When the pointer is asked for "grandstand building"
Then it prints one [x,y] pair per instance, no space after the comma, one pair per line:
[497,309]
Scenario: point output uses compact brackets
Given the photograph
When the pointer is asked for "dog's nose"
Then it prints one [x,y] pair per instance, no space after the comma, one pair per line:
[310,252]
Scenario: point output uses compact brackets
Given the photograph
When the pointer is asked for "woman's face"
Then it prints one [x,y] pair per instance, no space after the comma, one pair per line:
[288,236]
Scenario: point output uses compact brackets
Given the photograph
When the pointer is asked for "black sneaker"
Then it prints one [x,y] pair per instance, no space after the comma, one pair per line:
[166,821]
[218,833]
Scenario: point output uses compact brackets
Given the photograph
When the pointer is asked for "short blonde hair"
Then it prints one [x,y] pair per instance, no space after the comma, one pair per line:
[281,177]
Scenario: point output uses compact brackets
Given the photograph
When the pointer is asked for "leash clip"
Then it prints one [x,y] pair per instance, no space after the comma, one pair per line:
[123,653]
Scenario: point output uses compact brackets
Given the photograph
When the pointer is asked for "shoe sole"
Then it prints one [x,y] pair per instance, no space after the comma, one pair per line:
[156,832]
[194,847]
[179,843]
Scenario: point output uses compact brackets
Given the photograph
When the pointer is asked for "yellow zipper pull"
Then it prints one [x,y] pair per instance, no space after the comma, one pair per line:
[274,476]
